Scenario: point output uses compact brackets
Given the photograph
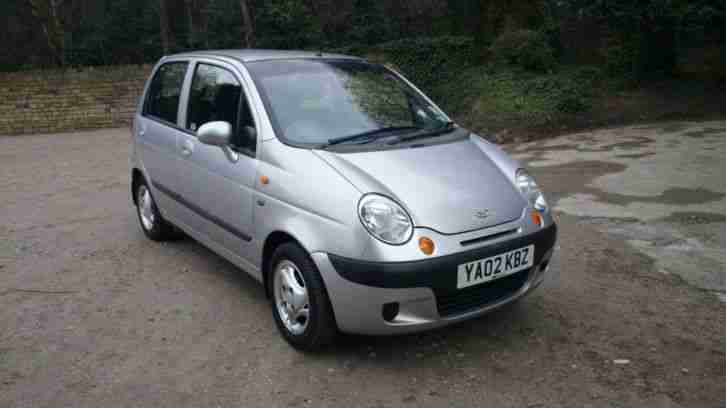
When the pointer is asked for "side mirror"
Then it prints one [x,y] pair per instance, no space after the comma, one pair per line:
[215,133]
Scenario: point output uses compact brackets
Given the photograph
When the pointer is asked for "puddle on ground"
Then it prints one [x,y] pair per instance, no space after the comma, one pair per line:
[630,145]
[700,134]
[670,206]
[694,217]
[673,127]
[8,249]
[565,179]
[635,155]
[671,196]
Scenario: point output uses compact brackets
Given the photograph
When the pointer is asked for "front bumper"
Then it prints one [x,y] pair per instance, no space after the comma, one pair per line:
[425,291]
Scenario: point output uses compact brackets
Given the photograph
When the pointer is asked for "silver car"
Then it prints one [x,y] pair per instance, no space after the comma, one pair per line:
[337,184]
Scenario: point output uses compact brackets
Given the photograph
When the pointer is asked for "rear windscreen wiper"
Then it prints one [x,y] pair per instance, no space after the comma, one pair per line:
[370,134]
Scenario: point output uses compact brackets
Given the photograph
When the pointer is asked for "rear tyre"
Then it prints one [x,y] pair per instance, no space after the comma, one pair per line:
[155,227]
[300,303]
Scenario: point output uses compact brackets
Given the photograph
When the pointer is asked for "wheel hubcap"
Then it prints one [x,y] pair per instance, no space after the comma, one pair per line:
[145,208]
[291,297]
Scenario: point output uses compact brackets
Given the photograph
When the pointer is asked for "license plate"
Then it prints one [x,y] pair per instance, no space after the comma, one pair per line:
[494,267]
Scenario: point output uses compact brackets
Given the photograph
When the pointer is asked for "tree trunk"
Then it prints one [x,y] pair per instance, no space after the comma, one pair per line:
[249,30]
[48,14]
[167,39]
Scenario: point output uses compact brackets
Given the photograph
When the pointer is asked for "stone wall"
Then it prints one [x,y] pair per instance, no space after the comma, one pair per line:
[63,100]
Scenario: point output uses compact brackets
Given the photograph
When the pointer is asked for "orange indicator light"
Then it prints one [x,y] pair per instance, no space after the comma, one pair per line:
[536,217]
[426,245]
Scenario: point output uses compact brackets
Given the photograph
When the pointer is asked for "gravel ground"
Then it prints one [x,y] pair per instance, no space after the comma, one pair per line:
[93,314]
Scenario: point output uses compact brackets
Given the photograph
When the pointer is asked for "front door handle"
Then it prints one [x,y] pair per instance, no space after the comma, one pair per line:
[187,148]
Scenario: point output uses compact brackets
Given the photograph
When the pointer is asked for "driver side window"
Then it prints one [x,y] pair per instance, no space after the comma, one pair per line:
[216,95]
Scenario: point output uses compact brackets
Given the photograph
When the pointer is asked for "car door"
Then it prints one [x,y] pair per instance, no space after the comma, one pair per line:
[217,182]
[157,127]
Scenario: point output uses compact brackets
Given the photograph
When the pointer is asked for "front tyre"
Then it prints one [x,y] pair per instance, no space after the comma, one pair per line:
[154,226]
[300,303]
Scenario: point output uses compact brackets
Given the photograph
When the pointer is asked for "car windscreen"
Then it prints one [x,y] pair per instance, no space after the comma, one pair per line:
[314,101]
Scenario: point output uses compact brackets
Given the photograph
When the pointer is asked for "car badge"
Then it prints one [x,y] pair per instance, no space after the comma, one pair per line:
[483,214]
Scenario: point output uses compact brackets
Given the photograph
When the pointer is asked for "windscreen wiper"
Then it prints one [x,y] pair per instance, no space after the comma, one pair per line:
[370,135]
[447,127]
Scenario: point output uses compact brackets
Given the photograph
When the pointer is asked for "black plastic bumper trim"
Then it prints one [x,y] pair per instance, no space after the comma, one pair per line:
[438,273]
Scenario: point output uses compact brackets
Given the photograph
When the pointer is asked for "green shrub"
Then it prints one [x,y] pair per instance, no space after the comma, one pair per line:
[622,60]
[505,98]
[524,48]
[588,74]
[452,71]
[427,62]
[564,93]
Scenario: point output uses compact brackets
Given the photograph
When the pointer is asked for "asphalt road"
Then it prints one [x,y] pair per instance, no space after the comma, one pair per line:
[93,314]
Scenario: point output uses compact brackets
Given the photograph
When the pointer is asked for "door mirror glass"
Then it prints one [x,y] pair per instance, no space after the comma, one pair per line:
[216,133]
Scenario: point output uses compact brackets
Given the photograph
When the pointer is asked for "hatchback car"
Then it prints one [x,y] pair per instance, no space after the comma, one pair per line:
[336,183]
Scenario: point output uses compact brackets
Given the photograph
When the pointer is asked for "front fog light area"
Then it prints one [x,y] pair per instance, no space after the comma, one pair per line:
[390,311]
[531,191]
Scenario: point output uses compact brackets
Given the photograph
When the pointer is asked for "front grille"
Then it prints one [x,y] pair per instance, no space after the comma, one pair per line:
[489,237]
[475,297]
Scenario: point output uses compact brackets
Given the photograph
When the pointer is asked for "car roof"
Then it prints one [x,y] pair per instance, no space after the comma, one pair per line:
[251,55]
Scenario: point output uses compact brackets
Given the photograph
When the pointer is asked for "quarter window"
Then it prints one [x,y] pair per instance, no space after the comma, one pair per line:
[217,95]
[164,92]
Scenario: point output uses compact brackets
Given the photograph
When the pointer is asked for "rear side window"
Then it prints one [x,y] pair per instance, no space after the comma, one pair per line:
[164,93]
[217,95]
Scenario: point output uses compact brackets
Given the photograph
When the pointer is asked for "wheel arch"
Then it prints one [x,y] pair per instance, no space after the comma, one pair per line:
[136,178]
[274,240]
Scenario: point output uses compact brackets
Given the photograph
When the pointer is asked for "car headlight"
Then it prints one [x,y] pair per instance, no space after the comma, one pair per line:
[385,219]
[531,191]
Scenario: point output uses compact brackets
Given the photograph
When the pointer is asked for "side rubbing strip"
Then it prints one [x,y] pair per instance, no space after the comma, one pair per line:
[209,217]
